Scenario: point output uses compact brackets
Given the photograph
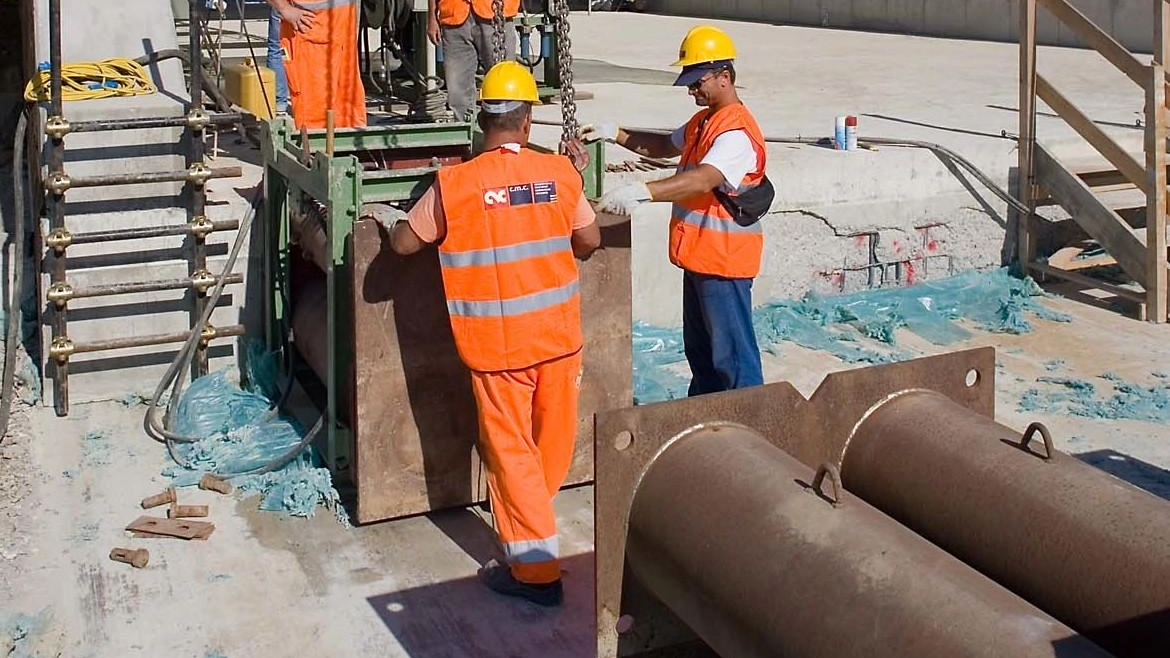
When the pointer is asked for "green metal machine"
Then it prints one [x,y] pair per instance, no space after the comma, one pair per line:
[372,327]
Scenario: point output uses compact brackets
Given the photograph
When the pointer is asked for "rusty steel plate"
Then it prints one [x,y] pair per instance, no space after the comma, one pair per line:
[415,426]
[813,430]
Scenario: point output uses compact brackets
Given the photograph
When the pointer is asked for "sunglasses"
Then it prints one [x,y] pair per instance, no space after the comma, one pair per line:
[694,86]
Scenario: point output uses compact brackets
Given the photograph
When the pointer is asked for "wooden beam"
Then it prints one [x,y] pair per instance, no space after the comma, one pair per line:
[1155,284]
[1104,225]
[1085,127]
[1089,282]
[1025,172]
[1099,40]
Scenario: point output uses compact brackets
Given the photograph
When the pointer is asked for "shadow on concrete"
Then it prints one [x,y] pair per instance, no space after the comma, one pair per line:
[1143,475]
[978,193]
[1051,115]
[470,532]
[592,71]
[462,618]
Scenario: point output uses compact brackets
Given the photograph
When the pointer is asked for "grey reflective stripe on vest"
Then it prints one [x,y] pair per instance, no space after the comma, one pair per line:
[319,5]
[507,254]
[516,305]
[709,223]
[532,550]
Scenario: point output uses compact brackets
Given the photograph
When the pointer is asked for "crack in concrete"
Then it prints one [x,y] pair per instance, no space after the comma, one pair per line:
[838,232]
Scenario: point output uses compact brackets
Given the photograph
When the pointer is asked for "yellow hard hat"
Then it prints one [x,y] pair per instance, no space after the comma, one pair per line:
[509,81]
[704,44]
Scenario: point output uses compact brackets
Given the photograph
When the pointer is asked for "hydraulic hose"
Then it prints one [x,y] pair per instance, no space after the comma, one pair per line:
[12,328]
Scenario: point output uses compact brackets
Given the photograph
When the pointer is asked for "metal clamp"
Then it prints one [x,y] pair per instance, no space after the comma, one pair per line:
[198,173]
[834,478]
[58,182]
[61,349]
[1031,432]
[57,127]
[201,280]
[201,226]
[60,293]
[198,119]
[207,335]
[59,239]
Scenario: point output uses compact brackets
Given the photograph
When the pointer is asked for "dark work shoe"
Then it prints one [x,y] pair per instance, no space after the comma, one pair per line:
[498,577]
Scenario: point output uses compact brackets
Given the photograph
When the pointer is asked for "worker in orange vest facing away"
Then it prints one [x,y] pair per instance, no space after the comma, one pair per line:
[508,224]
[319,39]
[719,193]
[464,27]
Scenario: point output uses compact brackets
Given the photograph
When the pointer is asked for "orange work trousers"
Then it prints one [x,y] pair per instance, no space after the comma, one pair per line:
[321,65]
[528,428]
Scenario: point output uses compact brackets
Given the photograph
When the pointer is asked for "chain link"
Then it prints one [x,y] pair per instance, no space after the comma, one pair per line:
[498,38]
[565,61]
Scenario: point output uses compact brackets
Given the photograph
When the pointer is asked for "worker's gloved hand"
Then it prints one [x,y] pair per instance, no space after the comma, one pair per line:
[384,214]
[606,130]
[624,200]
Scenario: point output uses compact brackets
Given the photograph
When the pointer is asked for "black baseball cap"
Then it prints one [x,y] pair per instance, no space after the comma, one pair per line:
[695,72]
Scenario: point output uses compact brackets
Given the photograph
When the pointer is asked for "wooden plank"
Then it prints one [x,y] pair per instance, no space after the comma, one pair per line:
[1156,301]
[1089,282]
[1117,156]
[1099,40]
[1025,172]
[1104,225]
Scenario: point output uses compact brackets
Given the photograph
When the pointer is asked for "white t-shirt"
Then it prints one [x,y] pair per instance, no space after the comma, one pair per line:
[731,153]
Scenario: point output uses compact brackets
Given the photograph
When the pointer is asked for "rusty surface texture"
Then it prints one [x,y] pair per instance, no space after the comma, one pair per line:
[1088,548]
[760,563]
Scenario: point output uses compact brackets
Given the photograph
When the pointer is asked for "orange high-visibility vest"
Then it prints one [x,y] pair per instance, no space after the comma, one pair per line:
[454,12]
[321,65]
[507,260]
[703,236]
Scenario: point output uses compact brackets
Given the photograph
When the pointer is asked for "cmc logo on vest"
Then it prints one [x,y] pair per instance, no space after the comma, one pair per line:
[496,198]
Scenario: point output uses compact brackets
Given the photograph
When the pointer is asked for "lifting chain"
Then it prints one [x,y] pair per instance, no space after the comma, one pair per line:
[498,40]
[565,61]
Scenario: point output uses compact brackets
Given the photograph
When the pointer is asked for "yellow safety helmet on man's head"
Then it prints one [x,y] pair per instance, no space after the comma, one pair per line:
[705,44]
[509,81]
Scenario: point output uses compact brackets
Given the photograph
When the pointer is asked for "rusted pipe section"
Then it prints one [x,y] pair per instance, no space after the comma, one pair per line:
[728,532]
[1089,549]
[306,222]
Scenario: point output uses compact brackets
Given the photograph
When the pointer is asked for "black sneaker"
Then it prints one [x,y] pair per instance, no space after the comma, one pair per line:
[498,578]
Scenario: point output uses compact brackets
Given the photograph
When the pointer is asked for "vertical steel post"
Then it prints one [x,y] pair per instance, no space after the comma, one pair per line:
[56,162]
[196,192]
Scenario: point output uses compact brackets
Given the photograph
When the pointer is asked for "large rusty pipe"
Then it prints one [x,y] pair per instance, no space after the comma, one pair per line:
[723,532]
[310,333]
[1089,549]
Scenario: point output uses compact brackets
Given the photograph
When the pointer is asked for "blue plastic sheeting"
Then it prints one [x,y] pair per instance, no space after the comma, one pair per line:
[19,632]
[240,435]
[1079,397]
[860,327]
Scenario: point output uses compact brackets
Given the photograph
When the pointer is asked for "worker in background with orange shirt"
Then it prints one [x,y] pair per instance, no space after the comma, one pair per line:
[464,28]
[508,224]
[319,39]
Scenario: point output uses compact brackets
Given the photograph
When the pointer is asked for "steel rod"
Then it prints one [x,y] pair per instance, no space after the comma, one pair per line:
[143,286]
[197,194]
[149,177]
[156,339]
[56,201]
[148,232]
[151,122]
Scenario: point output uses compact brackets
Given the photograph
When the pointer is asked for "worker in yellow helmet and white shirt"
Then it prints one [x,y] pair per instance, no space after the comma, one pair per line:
[718,192]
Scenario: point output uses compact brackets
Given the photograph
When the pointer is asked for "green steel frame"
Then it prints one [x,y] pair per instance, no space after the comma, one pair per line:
[340,184]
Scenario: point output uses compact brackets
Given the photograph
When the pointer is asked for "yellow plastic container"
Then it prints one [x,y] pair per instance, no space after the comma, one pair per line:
[242,84]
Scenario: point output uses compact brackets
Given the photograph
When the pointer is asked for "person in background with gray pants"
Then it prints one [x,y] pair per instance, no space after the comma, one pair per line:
[464,29]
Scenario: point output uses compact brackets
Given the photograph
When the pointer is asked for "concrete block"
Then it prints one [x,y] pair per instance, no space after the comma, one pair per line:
[805,12]
[907,16]
[1133,25]
[988,19]
[1047,28]
[1098,11]
[945,18]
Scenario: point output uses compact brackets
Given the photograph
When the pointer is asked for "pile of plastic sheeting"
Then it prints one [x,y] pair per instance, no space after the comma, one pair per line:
[241,435]
[861,327]
[1079,397]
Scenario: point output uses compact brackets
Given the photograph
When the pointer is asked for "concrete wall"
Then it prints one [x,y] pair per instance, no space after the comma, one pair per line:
[1129,21]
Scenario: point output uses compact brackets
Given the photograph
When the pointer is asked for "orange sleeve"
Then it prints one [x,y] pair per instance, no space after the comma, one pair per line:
[426,218]
[584,215]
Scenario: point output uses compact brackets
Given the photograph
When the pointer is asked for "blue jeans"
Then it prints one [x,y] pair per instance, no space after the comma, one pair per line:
[276,61]
[718,337]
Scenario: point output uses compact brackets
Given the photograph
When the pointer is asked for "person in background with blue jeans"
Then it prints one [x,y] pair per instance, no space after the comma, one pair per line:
[276,63]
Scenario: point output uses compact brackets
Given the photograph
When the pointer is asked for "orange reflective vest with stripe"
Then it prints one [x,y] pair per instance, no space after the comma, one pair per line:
[507,260]
[703,236]
[321,65]
[454,12]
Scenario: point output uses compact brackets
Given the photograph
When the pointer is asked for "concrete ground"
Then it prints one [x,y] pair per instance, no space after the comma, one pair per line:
[264,585]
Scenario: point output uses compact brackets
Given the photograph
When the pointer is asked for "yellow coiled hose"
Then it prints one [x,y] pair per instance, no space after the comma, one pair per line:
[82,81]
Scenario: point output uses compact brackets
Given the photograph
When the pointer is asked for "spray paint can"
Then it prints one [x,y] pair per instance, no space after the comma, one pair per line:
[850,133]
[839,134]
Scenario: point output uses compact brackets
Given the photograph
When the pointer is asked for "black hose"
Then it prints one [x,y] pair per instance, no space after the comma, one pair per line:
[12,328]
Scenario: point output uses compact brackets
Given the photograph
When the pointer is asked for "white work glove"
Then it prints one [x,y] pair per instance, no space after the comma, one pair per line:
[607,130]
[624,200]
[384,214]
